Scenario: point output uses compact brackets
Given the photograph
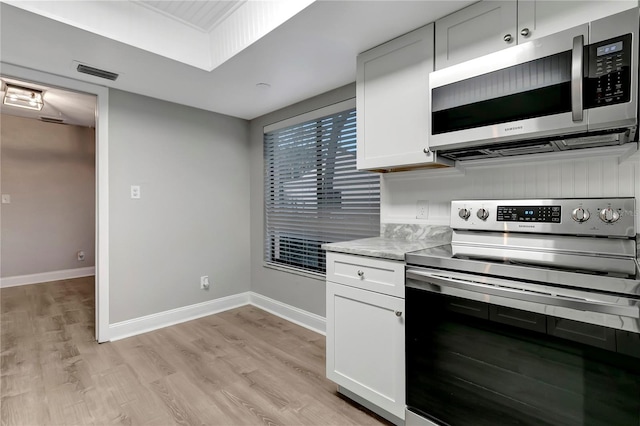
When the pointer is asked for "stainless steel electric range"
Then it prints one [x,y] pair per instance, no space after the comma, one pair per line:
[530,317]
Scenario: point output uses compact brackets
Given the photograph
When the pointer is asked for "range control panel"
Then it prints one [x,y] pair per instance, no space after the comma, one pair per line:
[613,217]
[549,214]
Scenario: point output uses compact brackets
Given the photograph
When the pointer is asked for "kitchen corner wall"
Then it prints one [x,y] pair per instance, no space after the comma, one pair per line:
[49,172]
[548,177]
[295,290]
[192,218]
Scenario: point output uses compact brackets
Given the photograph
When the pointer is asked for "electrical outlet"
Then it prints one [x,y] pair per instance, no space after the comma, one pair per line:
[135,191]
[204,282]
[80,255]
[6,199]
[422,209]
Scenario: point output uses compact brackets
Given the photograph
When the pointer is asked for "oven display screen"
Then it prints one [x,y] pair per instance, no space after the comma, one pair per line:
[549,214]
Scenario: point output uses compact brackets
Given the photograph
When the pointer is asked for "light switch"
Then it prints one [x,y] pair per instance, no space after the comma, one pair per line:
[6,199]
[135,191]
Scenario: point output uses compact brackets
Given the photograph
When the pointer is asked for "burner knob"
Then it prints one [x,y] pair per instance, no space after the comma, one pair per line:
[482,214]
[580,215]
[609,215]
[464,213]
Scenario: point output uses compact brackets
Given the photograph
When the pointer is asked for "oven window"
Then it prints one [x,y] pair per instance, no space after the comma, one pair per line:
[533,89]
[471,363]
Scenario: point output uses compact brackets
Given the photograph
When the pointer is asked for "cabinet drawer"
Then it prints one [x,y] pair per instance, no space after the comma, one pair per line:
[379,275]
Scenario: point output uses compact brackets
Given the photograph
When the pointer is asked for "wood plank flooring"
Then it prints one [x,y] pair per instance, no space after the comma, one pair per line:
[240,367]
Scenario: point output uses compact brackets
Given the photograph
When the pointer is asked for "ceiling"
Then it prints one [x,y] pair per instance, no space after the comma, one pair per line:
[206,54]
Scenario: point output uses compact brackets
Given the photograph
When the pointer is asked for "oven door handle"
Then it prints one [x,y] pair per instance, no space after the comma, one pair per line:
[629,311]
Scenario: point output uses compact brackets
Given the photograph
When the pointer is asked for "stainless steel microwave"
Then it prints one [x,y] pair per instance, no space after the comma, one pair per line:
[573,89]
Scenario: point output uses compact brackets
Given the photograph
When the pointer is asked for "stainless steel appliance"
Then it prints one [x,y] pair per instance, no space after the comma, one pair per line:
[531,316]
[573,89]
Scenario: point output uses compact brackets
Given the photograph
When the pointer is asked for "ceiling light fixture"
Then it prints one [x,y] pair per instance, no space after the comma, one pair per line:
[23,97]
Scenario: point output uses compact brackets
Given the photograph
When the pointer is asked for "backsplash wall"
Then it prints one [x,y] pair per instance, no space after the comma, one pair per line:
[404,195]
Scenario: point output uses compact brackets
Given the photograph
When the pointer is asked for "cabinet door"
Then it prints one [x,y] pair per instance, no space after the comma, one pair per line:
[365,345]
[474,31]
[392,86]
[539,18]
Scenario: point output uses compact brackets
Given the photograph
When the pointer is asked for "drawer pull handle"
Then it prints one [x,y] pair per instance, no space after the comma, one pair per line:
[398,313]
[361,274]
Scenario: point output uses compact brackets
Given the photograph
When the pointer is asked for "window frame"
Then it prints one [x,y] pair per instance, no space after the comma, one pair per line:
[313,115]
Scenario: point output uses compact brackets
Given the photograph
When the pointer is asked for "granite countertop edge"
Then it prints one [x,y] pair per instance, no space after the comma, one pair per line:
[382,247]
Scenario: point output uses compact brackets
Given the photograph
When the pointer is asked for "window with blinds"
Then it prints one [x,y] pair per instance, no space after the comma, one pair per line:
[313,192]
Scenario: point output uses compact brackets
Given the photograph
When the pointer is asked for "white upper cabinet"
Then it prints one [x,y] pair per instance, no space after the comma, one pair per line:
[489,26]
[476,30]
[392,86]
[539,18]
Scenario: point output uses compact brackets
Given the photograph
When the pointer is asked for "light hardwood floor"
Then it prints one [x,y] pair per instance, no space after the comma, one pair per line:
[240,367]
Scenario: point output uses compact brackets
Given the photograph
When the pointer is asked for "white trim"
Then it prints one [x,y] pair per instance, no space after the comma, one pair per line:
[102,179]
[135,326]
[295,271]
[44,277]
[102,217]
[312,115]
[290,313]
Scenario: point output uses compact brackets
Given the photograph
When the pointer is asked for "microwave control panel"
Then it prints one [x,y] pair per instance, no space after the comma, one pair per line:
[608,80]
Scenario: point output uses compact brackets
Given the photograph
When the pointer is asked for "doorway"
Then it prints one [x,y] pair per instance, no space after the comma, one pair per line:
[101,246]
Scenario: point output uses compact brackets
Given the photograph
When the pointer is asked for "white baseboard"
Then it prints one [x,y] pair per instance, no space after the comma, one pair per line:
[44,277]
[132,327]
[290,313]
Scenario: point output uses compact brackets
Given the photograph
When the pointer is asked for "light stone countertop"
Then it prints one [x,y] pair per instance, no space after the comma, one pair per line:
[395,241]
[385,248]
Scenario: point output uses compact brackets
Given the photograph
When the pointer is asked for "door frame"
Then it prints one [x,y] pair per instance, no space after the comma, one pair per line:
[102,180]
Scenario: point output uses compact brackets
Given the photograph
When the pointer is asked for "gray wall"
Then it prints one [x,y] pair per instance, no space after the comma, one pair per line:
[296,290]
[193,215]
[49,172]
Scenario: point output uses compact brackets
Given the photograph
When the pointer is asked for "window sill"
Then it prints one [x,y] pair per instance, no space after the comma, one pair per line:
[295,271]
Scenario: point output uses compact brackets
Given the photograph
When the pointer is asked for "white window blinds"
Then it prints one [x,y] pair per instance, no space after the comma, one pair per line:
[313,192]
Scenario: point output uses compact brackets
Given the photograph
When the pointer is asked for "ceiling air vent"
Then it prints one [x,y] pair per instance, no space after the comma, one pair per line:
[52,120]
[96,72]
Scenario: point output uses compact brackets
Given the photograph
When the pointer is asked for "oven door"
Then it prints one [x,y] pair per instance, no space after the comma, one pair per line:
[483,353]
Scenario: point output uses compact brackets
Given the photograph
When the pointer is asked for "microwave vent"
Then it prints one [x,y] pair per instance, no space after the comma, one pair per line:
[596,140]
[509,149]
[468,154]
[522,150]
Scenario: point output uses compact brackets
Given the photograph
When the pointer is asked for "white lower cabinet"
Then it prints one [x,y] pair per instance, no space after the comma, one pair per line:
[365,345]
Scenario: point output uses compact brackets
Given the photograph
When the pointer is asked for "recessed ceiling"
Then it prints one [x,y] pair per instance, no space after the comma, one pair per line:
[201,15]
[203,34]
[312,51]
